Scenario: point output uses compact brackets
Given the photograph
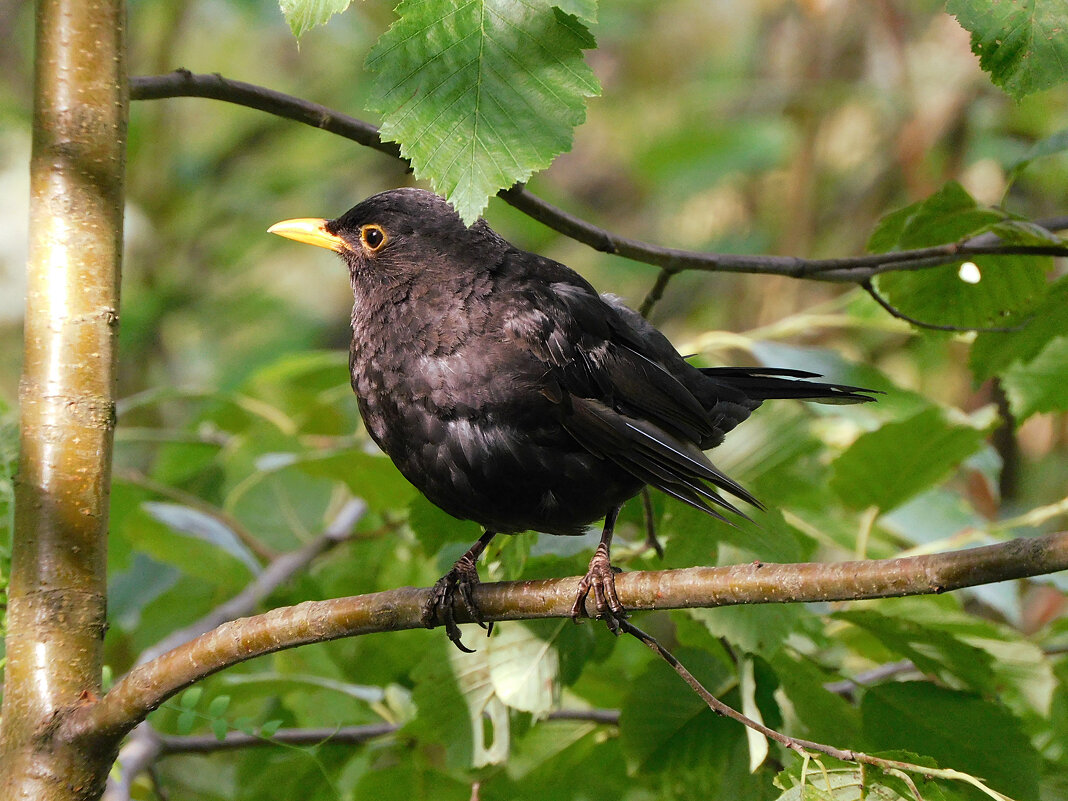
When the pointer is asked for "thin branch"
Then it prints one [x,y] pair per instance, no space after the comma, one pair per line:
[145,746]
[797,744]
[147,686]
[893,311]
[342,735]
[847,687]
[183,83]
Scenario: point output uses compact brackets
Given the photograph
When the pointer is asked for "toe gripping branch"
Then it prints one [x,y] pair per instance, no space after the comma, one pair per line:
[460,580]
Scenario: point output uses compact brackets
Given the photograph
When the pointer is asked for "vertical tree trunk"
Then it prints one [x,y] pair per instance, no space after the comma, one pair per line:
[57,589]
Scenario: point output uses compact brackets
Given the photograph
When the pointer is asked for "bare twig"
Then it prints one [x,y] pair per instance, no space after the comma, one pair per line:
[797,744]
[183,83]
[893,311]
[147,686]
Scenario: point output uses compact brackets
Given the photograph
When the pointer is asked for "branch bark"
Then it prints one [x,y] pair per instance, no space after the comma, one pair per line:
[183,83]
[66,398]
[147,686]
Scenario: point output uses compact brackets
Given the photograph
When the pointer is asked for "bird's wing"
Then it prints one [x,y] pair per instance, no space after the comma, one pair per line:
[616,401]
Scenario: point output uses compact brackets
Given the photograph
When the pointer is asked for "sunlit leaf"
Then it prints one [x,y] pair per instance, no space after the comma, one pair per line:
[1021,44]
[886,467]
[481,93]
[303,15]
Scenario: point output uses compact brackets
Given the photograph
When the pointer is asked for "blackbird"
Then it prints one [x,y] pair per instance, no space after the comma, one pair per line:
[510,393]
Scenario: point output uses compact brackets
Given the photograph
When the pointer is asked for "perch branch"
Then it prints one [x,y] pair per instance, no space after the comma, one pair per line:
[183,83]
[147,686]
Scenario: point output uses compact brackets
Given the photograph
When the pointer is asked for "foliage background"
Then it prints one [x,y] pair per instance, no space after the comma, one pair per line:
[764,127]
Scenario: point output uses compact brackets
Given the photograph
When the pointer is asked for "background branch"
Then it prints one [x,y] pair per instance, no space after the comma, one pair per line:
[147,686]
[183,83]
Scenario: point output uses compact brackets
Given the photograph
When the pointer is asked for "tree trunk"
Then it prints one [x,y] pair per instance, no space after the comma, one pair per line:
[58,573]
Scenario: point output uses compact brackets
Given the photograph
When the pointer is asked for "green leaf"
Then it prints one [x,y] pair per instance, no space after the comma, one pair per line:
[585,10]
[936,652]
[302,15]
[1008,284]
[886,467]
[957,729]
[660,717]
[191,697]
[202,526]
[1051,145]
[994,351]
[523,668]
[1040,385]
[1021,44]
[219,728]
[823,715]
[755,628]
[480,94]
[270,728]
[218,706]
[186,720]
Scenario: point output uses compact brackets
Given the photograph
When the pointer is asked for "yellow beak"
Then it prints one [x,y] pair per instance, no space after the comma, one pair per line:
[311,231]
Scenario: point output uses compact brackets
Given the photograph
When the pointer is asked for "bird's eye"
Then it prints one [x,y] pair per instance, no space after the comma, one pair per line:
[373,237]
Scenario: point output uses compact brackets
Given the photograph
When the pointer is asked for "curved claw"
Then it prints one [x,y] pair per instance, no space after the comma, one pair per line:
[601,578]
[439,606]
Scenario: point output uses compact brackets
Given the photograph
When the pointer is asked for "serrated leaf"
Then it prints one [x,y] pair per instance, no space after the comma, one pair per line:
[585,10]
[886,467]
[480,94]
[1040,385]
[303,15]
[957,729]
[1021,44]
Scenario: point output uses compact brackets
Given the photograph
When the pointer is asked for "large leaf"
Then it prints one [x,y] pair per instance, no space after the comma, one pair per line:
[1040,385]
[1007,285]
[481,94]
[1021,44]
[957,729]
[885,468]
[661,718]
[523,668]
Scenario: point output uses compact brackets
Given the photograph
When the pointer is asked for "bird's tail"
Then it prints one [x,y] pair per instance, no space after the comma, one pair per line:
[761,383]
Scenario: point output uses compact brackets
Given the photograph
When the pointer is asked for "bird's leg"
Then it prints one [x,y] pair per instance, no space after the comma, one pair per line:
[650,523]
[462,578]
[601,577]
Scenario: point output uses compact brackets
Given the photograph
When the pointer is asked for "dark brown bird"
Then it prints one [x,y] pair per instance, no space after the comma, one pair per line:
[512,394]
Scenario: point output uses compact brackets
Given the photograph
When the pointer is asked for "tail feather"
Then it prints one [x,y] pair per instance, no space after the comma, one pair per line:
[761,383]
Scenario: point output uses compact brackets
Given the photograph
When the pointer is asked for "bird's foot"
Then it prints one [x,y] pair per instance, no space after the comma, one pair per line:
[601,578]
[459,581]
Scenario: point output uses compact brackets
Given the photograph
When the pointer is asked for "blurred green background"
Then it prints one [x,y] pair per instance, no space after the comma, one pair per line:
[770,126]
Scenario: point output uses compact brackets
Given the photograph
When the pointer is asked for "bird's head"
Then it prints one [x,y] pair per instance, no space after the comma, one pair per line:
[397,235]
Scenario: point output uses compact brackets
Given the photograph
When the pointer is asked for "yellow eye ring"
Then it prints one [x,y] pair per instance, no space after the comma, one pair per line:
[373,237]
